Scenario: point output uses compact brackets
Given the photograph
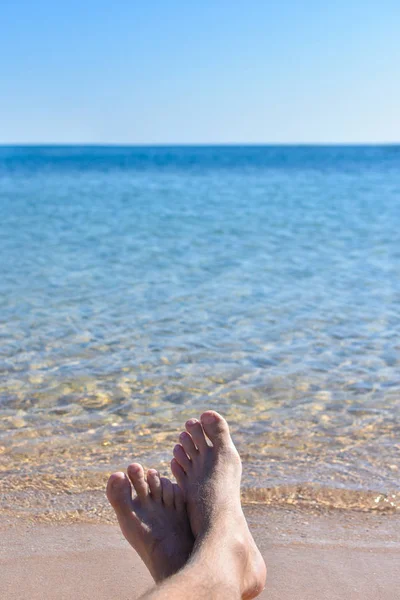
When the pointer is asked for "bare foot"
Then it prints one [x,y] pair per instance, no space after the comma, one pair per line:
[155,522]
[210,478]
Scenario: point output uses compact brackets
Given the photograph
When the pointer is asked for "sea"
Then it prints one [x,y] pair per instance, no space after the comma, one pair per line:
[142,285]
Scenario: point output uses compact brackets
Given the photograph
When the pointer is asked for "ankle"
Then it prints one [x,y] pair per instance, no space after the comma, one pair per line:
[216,546]
[235,558]
[213,556]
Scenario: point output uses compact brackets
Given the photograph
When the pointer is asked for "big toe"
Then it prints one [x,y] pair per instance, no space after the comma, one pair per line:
[216,428]
[119,493]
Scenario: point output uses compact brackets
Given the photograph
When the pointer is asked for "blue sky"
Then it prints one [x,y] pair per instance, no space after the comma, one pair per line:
[217,71]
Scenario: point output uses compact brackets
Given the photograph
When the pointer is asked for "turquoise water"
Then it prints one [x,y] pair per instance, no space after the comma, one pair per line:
[141,285]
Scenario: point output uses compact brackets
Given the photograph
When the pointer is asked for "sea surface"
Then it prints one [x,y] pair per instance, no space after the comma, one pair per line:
[141,285]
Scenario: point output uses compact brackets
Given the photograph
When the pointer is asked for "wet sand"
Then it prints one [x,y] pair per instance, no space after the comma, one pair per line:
[330,556]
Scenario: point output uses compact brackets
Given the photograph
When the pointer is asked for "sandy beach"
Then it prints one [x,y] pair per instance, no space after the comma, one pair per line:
[322,556]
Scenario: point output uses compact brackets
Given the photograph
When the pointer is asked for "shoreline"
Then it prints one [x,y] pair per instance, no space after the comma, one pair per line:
[60,499]
[48,504]
[330,556]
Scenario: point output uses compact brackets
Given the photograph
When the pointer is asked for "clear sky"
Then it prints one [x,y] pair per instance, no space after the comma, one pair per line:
[210,71]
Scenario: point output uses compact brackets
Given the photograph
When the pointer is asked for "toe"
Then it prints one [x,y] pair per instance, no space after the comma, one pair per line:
[153,479]
[178,473]
[179,498]
[216,428]
[136,475]
[195,429]
[182,458]
[188,445]
[167,491]
[119,493]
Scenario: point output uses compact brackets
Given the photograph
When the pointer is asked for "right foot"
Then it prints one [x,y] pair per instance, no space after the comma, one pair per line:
[210,479]
[155,522]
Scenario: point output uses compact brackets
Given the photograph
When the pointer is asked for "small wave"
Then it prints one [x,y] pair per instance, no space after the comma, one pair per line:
[313,496]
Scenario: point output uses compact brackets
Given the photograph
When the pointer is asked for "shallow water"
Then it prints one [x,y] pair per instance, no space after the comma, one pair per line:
[139,286]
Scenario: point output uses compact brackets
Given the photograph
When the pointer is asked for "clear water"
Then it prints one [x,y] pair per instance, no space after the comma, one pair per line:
[139,286]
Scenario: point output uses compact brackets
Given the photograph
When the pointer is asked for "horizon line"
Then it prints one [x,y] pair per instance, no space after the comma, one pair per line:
[189,144]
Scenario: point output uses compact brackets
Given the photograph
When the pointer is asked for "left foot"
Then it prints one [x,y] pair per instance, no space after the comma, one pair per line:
[155,522]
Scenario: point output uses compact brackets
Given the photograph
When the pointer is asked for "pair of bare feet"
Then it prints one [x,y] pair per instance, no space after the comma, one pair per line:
[199,519]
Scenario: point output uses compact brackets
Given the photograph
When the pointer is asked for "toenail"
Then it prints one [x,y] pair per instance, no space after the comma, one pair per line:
[117,481]
[191,422]
[135,468]
[209,418]
[183,435]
